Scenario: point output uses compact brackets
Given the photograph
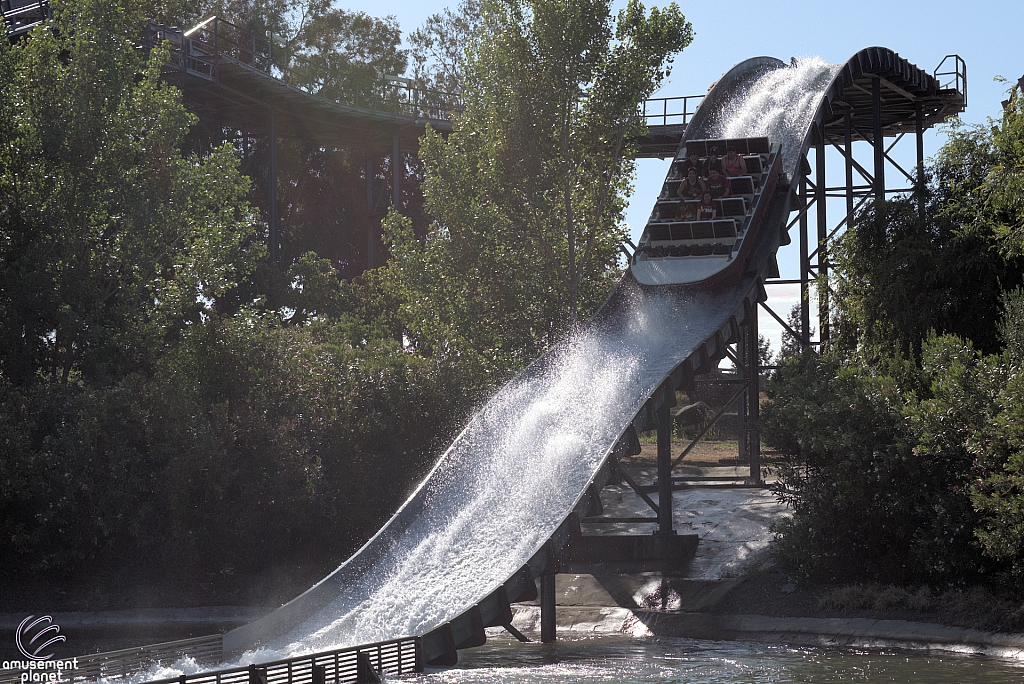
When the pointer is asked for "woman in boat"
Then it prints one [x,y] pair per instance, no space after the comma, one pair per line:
[692,187]
[687,212]
[706,210]
[712,162]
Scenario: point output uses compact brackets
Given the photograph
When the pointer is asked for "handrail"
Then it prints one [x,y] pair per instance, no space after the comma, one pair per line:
[391,658]
[215,40]
[681,110]
[959,74]
[20,20]
[201,24]
[128,661]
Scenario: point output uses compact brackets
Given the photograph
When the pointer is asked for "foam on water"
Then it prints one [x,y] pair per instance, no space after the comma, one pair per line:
[513,476]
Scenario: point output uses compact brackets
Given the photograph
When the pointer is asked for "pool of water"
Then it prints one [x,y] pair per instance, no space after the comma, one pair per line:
[628,661]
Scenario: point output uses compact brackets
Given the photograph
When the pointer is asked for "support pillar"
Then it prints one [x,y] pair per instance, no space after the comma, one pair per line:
[919,131]
[820,203]
[397,167]
[878,142]
[741,409]
[665,465]
[371,228]
[753,403]
[805,267]
[272,218]
[547,608]
[848,143]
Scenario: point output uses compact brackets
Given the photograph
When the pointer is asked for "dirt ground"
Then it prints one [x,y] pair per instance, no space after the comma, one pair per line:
[707,453]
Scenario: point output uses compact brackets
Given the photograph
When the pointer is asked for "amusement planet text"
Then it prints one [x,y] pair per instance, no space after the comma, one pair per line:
[41,670]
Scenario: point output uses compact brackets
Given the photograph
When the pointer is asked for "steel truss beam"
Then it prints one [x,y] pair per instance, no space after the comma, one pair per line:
[844,136]
[745,398]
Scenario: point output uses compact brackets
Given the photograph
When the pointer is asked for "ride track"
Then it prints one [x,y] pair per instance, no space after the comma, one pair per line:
[640,346]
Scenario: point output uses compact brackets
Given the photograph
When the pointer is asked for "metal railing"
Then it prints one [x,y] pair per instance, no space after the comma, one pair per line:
[952,77]
[669,111]
[203,48]
[388,658]
[21,16]
[128,661]
[341,666]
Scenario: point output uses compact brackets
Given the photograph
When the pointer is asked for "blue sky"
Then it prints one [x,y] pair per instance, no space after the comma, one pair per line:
[987,34]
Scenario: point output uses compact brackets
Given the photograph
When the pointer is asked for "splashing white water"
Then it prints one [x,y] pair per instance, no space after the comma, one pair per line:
[779,105]
[513,476]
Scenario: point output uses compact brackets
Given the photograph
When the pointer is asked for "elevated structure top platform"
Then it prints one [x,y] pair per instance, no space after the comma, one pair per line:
[904,90]
[232,77]
[908,97]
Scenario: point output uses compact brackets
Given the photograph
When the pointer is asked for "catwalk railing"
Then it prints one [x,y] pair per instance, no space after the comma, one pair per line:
[202,49]
[357,664]
[670,111]
[21,16]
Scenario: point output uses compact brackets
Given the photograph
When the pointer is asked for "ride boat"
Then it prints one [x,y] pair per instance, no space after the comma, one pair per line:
[674,250]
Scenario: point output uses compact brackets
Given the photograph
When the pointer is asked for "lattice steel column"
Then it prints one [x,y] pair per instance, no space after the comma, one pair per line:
[822,225]
[878,141]
[805,266]
[272,187]
[752,362]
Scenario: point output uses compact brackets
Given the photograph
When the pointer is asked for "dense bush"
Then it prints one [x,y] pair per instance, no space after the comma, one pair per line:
[252,443]
[900,472]
[171,405]
[905,437]
[880,482]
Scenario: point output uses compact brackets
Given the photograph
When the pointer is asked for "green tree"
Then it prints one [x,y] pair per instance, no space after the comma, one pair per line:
[439,46]
[879,478]
[112,239]
[170,405]
[980,174]
[999,448]
[341,55]
[527,192]
[904,276]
